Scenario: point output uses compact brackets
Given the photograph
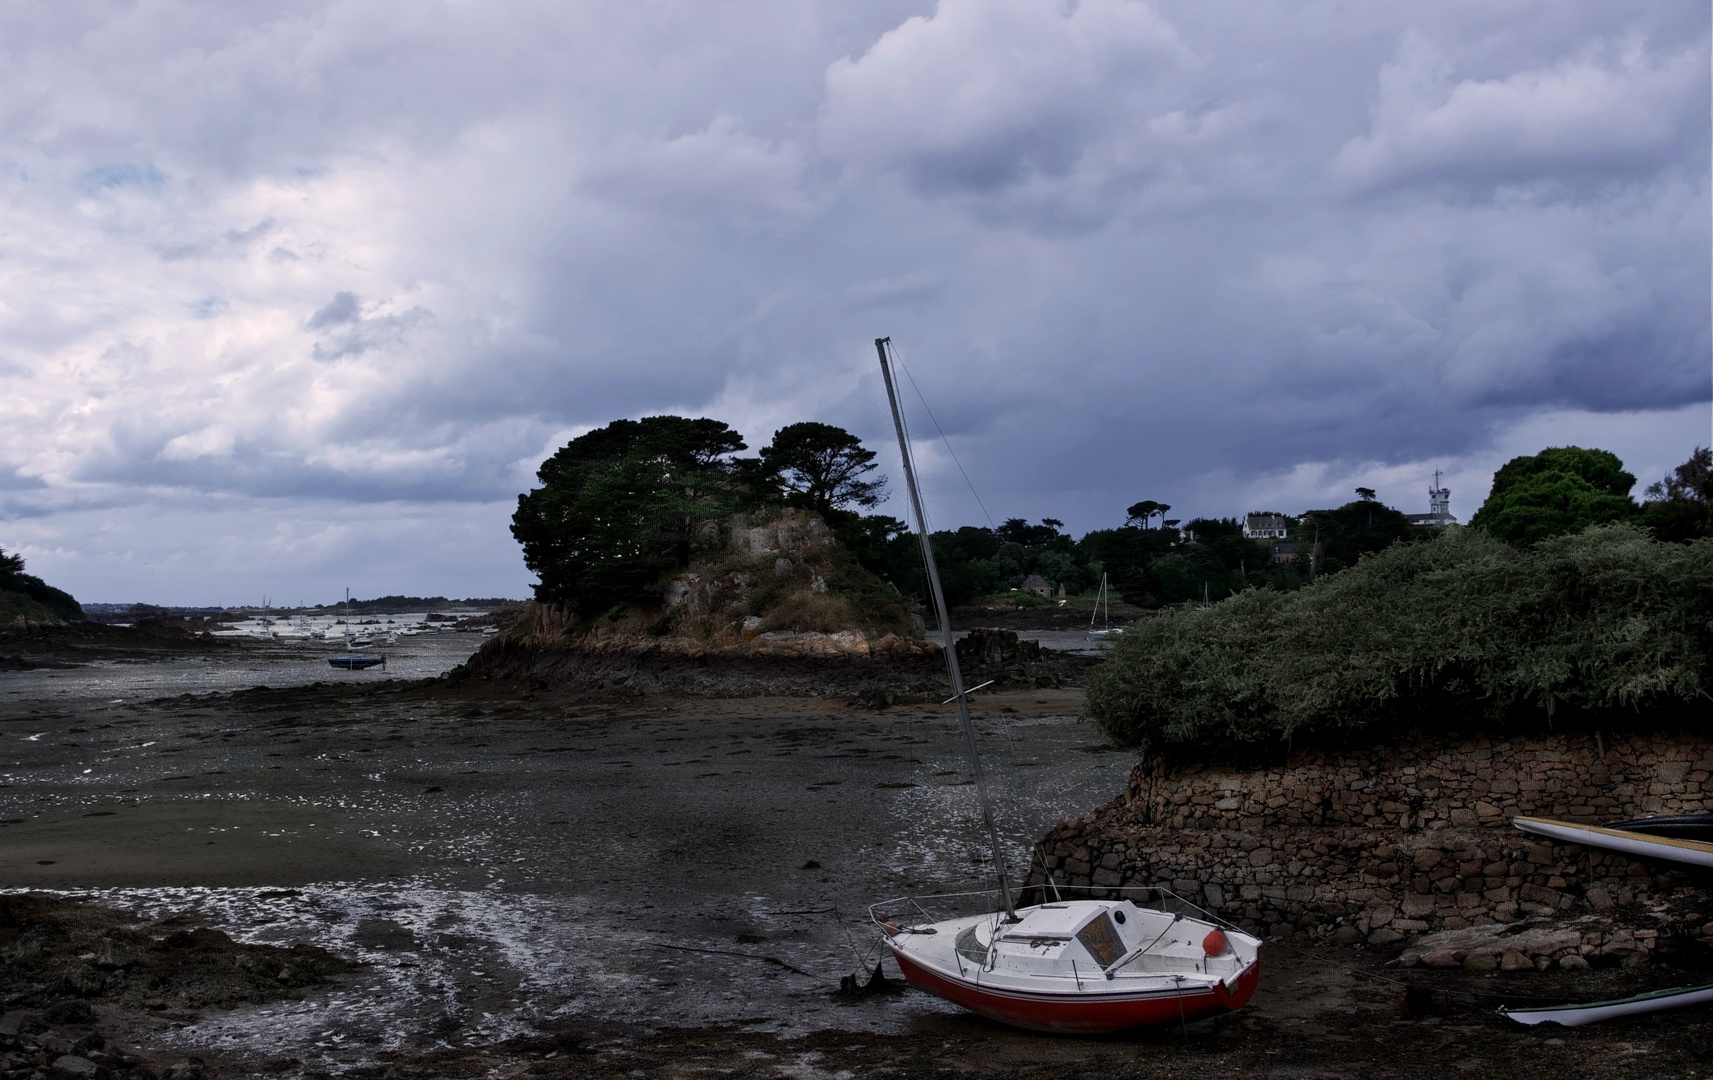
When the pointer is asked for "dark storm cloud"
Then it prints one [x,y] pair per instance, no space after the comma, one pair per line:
[316,254]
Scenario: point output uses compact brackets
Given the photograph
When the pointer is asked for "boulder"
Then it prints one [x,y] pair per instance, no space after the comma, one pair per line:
[75,1067]
[1512,960]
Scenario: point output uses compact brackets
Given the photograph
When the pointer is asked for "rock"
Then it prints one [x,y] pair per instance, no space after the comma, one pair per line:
[115,954]
[84,980]
[54,1043]
[1512,960]
[1215,896]
[1281,930]
[1442,959]
[1346,936]
[71,1065]
[1572,963]
[1384,936]
[17,1022]
[1598,898]
[1427,858]
[1480,962]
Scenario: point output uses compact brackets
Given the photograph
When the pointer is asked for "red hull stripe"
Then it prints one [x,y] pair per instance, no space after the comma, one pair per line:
[1086,1013]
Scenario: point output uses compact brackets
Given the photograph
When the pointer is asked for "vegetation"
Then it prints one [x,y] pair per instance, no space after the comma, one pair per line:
[821,468]
[1465,630]
[1680,506]
[1556,492]
[618,508]
[27,596]
[624,509]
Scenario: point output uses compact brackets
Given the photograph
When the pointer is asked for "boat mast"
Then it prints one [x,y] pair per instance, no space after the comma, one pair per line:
[939,598]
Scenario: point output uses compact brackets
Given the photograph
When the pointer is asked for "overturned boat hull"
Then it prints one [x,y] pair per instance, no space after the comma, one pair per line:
[1645,845]
[1596,1011]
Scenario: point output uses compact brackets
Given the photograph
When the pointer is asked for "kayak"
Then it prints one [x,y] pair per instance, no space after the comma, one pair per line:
[1595,1011]
[1674,849]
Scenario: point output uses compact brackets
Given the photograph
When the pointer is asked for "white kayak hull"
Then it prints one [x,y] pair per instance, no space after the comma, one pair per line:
[1594,1012]
[1693,852]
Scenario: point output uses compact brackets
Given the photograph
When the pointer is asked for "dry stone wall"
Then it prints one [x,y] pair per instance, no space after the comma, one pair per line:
[1388,844]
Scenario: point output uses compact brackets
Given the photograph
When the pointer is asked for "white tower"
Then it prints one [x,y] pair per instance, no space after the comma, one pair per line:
[1439,501]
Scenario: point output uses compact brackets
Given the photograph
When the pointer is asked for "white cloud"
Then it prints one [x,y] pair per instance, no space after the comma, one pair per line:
[1616,109]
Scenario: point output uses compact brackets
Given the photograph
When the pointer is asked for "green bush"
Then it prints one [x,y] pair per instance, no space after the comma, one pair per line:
[1460,632]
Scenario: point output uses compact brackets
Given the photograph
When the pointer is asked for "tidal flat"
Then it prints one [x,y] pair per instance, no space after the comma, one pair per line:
[528,882]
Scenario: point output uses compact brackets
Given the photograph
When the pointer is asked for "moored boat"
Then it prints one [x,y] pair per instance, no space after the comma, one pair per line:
[357,661]
[1629,841]
[1077,966]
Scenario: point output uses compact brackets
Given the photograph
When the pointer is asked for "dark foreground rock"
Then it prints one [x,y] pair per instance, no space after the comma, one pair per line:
[70,968]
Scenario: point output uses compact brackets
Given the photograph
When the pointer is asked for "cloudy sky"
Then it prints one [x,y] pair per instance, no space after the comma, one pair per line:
[297,295]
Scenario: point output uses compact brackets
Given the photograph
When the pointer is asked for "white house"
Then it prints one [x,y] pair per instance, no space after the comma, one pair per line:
[1266,526]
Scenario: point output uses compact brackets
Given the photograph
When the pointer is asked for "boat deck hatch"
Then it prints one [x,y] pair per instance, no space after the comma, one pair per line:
[1100,938]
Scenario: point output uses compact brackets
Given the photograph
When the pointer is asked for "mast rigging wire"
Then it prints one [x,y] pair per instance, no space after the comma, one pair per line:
[920,397]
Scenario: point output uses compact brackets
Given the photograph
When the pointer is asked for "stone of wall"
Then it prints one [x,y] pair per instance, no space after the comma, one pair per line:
[1394,841]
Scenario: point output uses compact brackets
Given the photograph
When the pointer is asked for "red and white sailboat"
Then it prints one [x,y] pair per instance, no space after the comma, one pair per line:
[1080,966]
[1070,965]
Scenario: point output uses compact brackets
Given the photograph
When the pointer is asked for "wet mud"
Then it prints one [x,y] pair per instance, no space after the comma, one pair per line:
[495,880]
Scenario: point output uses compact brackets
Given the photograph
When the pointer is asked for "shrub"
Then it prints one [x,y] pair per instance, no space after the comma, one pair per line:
[1463,631]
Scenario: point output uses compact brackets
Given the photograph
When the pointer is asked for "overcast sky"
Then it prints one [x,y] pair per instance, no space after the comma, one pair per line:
[297,295]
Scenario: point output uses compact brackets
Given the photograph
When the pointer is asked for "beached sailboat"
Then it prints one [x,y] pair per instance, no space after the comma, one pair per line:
[1629,840]
[1085,965]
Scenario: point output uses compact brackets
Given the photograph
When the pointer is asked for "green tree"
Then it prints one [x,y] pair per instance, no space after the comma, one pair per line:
[1558,491]
[618,508]
[1353,530]
[823,468]
[1680,506]
[14,580]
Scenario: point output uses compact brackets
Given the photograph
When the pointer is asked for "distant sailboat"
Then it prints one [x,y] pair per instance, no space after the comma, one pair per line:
[1102,609]
[355,661]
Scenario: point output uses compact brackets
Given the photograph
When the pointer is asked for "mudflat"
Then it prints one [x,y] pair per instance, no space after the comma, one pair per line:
[534,882]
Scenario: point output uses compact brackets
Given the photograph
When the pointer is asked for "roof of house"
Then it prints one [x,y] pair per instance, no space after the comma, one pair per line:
[1036,581]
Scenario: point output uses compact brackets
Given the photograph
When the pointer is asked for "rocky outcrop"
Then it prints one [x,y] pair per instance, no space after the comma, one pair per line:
[808,664]
[1387,844]
[989,653]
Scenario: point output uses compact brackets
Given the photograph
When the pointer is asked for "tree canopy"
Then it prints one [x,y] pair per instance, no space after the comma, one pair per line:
[618,507]
[1560,490]
[1680,506]
[823,468]
[13,580]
